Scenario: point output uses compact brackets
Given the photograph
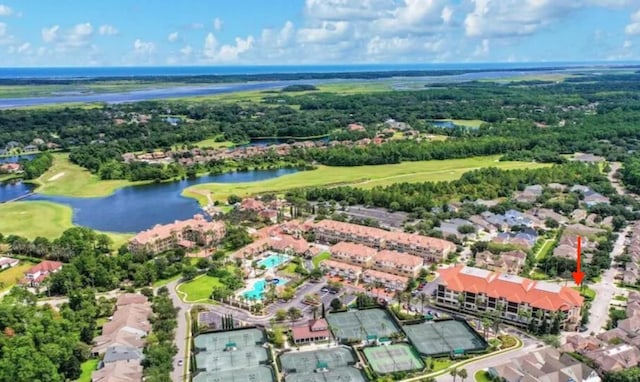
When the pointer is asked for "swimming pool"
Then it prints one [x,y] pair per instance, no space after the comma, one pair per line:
[274,260]
[258,288]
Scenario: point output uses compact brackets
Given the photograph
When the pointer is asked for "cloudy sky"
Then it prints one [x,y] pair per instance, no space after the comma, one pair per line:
[270,32]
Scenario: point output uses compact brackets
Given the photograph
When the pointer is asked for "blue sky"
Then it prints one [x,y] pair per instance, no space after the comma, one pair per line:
[291,32]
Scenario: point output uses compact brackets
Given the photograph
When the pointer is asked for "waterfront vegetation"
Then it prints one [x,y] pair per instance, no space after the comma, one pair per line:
[363,177]
[68,179]
[42,219]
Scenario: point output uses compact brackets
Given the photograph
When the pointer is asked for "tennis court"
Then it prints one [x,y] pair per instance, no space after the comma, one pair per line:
[392,358]
[362,324]
[335,364]
[232,356]
[444,337]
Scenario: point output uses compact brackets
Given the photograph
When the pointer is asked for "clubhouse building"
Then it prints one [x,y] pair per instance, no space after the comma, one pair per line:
[478,291]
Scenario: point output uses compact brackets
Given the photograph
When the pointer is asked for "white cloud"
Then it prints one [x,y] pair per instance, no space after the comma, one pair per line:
[446,14]
[143,47]
[5,37]
[5,10]
[107,30]
[482,50]
[326,32]
[217,23]
[213,52]
[633,28]
[173,37]
[195,26]
[187,50]
[278,38]
[627,44]
[337,10]
[24,47]
[50,34]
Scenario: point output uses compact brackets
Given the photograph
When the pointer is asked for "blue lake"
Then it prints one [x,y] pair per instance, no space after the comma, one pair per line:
[133,209]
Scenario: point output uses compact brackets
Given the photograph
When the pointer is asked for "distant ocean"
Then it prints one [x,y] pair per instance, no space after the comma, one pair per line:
[138,71]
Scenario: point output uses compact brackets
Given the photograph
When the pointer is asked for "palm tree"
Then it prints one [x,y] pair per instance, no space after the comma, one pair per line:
[463,374]
[454,374]
[486,324]
[422,298]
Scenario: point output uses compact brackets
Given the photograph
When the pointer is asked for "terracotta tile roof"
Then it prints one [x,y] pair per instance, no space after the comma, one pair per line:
[46,266]
[517,289]
[162,231]
[414,240]
[284,242]
[353,249]
[401,259]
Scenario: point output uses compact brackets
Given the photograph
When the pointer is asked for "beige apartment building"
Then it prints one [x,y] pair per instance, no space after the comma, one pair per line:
[478,291]
[429,248]
[181,233]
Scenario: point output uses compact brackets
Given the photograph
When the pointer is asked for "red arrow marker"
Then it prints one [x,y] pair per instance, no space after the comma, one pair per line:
[578,275]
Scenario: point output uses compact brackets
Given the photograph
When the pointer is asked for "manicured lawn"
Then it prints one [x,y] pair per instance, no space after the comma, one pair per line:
[199,288]
[481,376]
[586,292]
[68,179]
[163,282]
[290,268]
[87,369]
[10,277]
[32,219]
[362,176]
[441,363]
[46,219]
[545,249]
[321,257]
[465,122]
[213,143]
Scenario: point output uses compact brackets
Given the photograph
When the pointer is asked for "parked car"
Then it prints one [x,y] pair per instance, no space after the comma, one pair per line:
[583,329]
[324,290]
[179,362]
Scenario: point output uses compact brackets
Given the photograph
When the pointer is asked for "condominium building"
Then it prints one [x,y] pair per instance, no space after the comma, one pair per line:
[397,263]
[181,233]
[429,248]
[387,280]
[516,299]
[352,253]
[346,271]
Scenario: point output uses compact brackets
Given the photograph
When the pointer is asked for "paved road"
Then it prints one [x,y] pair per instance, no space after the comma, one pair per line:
[182,331]
[496,360]
[605,290]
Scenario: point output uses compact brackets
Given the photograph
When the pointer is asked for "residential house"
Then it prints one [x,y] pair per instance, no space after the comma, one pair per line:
[485,225]
[591,198]
[8,262]
[355,127]
[10,168]
[504,262]
[128,326]
[545,213]
[39,272]
[313,331]
[387,280]
[12,145]
[120,371]
[397,263]
[346,271]
[589,158]
[511,218]
[632,270]
[173,121]
[516,299]
[30,148]
[544,365]
[184,233]
[525,239]
[452,227]
[580,344]
[393,124]
[529,194]
[615,358]
[578,214]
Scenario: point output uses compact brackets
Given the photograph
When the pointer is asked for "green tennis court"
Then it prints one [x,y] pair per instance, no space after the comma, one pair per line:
[392,358]
[362,324]
[323,365]
[233,356]
[444,337]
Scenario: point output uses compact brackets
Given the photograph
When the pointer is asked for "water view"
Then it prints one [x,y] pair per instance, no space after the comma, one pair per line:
[274,260]
[257,293]
[133,209]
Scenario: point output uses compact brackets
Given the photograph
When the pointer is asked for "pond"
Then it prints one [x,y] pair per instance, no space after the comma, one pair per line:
[136,208]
